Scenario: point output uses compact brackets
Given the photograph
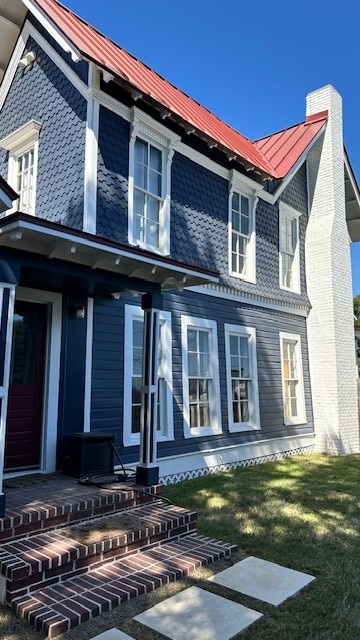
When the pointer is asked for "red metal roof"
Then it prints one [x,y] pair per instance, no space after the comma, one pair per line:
[284,148]
[95,46]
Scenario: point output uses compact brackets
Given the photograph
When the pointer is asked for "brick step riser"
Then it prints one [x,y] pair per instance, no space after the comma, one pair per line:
[40,522]
[86,597]
[90,559]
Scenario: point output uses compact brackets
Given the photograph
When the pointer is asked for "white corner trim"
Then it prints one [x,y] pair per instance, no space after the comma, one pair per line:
[91,157]
[52,30]
[88,363]
[227,293]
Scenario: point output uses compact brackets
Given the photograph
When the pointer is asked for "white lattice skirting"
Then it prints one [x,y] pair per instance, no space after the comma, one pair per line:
[228,466]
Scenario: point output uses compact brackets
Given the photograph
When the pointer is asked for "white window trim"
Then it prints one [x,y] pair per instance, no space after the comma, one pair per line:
[236,185]
[132,439]
[147,129]
[301,418]
[17,143]
[215,428]
[254,423]
[287,212]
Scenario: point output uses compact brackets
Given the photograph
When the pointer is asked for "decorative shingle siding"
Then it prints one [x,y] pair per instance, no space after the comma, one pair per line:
[113,159]
[80,68]
[199,228]
[108,358]
[42,92]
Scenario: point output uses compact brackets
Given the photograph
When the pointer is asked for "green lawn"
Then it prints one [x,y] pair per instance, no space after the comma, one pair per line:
[303,513]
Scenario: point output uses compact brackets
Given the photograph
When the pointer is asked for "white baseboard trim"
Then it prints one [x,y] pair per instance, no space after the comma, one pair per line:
[193,465]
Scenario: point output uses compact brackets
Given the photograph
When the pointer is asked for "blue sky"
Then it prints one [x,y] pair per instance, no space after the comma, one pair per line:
[251,63]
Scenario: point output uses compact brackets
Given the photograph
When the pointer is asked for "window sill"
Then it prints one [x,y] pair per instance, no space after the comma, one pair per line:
[238,276]
[152,249]
[289,422]
[243,426]
[201,432]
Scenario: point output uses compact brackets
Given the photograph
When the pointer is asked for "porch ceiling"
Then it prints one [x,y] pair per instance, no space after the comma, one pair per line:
[26,233]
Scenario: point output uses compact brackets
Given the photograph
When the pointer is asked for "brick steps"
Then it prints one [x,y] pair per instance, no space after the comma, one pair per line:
[82,504]
[49,558]
[60,607]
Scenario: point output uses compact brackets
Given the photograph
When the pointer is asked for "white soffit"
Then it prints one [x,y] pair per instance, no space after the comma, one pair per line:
[12,15]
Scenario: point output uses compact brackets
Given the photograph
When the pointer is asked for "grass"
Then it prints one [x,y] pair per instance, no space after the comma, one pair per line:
[303,513]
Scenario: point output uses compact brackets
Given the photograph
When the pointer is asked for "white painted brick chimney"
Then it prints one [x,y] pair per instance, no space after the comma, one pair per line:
[328,273]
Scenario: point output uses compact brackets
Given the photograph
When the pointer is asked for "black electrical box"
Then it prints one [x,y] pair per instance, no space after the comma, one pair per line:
[89,454]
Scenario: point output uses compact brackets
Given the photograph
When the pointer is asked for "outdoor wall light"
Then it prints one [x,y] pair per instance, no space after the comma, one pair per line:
[78,311]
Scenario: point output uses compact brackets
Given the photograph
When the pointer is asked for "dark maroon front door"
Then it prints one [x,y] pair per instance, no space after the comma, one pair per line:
[24,419]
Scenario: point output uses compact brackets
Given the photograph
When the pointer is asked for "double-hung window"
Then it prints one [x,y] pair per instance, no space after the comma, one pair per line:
[151,152]
[134,327]
[289,248]
[242,205]
[292,379]
[22,145]
[242,382]
[201,386]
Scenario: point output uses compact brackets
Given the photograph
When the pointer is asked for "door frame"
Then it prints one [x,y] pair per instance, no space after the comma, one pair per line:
[53,301]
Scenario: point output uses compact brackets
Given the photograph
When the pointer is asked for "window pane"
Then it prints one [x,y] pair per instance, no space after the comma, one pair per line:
[204,415]
[135,418]
[204,342]
[152,209]
[138,333]
[235,366]
[245,206]
[193,416]
[204,387]
[235,221]
[245,225]
[192,342]
[204,365]
[155,159]
[236,202]
[155,183]
[234,345]
[193,390]
[140,151]
[244,412]
[193,365]
[140,175]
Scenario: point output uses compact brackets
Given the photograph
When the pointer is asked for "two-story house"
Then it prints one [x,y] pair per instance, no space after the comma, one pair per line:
[163,278]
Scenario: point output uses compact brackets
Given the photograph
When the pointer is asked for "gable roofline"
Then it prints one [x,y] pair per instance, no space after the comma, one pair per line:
[82,40]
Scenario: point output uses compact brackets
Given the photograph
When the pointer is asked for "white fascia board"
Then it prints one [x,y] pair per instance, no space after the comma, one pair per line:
[352,178]
[52,30]
[24,225]
[5,201]
[29,30]
[296,167]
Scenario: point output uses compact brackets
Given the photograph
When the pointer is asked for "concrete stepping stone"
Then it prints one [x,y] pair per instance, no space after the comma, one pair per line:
[263,580]
[113,634]
[195,613]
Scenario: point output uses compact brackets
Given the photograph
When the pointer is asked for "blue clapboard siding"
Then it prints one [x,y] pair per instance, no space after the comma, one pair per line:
[42,92]
[108,359]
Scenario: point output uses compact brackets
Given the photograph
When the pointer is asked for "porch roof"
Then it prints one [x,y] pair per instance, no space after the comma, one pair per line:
[39,236]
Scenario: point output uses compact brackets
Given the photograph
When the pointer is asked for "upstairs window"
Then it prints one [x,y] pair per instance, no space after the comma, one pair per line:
[289,248]
[22,145]
[148,194]
[241,233]
[150,157]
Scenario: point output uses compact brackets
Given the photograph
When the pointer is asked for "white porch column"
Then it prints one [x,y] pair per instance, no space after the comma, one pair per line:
[328,272]
[7,300]
[147,472]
